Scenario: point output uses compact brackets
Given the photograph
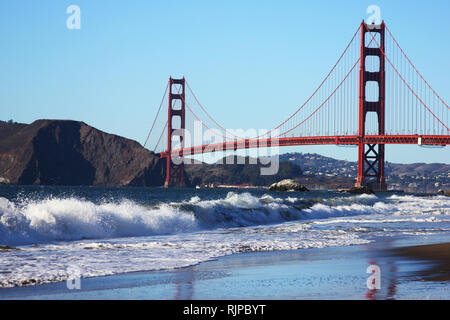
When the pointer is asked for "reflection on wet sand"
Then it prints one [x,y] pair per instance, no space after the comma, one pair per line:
[184,287]
[391,277]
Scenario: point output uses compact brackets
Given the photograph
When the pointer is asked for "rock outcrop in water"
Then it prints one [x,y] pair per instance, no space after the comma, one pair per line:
[358,190]
[64,152]
[287,185]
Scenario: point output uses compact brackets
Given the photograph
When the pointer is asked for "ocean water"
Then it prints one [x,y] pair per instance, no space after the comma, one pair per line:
[50,234]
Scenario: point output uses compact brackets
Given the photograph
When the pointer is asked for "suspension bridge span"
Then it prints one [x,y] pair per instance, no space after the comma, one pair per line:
[373,95]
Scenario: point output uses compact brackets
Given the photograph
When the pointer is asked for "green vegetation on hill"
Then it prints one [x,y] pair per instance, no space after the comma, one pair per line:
[236,173]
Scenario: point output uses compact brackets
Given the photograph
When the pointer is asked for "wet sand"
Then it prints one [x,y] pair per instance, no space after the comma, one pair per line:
[437,254]
[321,273]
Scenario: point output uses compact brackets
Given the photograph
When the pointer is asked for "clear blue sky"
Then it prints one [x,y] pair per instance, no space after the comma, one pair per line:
[240,57]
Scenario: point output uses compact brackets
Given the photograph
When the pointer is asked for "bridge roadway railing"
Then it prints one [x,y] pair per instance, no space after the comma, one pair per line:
[432,140]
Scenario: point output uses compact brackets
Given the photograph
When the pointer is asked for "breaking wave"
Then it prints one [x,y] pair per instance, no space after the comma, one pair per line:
[111,237]
[64,219]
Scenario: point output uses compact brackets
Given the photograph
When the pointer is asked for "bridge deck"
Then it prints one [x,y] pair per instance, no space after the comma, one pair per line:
[431,140]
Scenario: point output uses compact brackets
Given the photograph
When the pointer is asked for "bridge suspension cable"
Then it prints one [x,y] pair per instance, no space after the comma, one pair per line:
[293,114]
[330,113]
[162,134]
[420,75]
[157,114]
[404,81]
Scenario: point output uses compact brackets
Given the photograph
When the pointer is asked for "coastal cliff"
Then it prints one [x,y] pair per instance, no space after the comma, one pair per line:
[65,152]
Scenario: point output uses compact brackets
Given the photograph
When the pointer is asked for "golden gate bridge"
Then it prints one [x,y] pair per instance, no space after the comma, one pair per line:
[373,78]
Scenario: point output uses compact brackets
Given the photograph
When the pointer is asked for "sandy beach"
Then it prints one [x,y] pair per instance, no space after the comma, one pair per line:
[319,273]
[439,254]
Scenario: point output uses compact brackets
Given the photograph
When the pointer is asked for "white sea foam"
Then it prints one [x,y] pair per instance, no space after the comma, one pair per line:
[52,262]
[58,219]
[74,219]
[124,236]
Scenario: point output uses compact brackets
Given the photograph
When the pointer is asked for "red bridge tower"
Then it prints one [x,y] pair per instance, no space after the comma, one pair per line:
[371,160]
[175,172]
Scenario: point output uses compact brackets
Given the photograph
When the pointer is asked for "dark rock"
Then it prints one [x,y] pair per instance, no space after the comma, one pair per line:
[6,248]
[64,152]
[287,185]
[359,190]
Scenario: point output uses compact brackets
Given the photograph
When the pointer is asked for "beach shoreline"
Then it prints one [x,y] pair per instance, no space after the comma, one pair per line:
[438,254]
[316,273]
